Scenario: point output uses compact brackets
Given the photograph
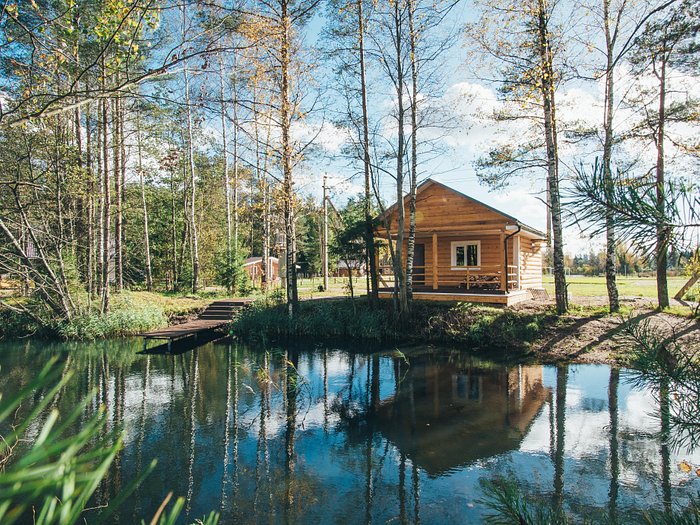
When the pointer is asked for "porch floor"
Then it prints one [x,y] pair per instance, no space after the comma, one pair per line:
[454,293]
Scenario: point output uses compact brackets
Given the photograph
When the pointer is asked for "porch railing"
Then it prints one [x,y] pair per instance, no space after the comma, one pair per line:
[484,277]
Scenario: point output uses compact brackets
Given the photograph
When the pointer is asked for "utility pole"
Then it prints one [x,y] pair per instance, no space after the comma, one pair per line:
[324,254]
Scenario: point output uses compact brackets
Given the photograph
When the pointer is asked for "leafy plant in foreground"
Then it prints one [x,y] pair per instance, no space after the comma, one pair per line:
[672,369]
[510,506]
[54,474]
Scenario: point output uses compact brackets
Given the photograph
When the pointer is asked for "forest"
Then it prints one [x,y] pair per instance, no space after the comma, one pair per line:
[154,145]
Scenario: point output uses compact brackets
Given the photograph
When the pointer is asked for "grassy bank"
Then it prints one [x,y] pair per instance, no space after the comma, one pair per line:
[130,313]
[477,326]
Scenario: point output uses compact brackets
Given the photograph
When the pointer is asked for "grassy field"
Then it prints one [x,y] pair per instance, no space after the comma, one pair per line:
[337,286]
[581,286]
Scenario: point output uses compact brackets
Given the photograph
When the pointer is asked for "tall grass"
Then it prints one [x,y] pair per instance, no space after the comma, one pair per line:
[427,321]
[130,313]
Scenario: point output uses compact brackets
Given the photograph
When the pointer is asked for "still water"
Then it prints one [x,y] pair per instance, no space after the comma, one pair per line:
[314,434]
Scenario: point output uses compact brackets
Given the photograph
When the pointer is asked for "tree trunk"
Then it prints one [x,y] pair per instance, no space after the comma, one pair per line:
[116,157]
[90,210]
[173,219]
[373,291]
[287,188]
[411,245]
[106,211]
[550,126]
[662,232]
[122,165]
[399,275]
[146,236]
[193,186]
[227,182]
[610,240]
[235,171]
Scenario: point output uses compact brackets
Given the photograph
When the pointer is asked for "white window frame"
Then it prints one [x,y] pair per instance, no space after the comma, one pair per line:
[453,254]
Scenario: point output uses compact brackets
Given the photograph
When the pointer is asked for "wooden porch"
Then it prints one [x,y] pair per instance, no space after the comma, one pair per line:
[488,284]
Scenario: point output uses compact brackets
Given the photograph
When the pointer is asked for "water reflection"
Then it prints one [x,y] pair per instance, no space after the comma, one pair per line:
[446,413]
[321,435]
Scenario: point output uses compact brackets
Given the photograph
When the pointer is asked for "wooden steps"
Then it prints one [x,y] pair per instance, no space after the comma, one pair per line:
[215,316]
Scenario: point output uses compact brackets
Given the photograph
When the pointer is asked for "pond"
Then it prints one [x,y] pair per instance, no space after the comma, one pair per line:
[315,434]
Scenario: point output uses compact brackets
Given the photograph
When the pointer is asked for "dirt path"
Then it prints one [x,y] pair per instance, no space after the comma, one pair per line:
[586,337]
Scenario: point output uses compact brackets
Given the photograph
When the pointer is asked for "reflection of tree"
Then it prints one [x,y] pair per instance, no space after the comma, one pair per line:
[671,363]
[614,444]
[262,456]
[142,433]
[291,379]
[562,380]
[403,518]
[231,413]
[326,412]
[370,407]
[192,394]
[416,495]
[665,410]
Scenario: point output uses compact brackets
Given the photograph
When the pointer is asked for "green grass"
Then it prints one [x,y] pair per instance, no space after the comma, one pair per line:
[582,286]
[428,321]
[337,287]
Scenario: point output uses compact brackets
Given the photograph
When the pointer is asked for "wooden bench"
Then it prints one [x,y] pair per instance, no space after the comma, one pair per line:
[491,281]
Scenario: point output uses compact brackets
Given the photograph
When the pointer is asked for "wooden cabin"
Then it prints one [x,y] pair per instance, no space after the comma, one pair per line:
[343,268]
[465,250]
[253,267]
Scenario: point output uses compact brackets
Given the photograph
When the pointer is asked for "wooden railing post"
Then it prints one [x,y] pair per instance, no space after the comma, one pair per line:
[504,268]
[435,261]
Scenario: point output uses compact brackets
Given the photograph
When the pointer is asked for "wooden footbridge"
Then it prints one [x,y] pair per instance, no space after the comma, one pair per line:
[215,317]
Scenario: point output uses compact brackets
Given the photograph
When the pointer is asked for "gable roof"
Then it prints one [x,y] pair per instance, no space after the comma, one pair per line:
[432,182]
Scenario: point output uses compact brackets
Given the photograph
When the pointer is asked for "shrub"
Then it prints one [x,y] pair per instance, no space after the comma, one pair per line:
[478,326]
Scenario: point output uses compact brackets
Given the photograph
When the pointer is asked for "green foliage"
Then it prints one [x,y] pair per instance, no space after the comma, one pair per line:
[131,313]
[116,323]
[509,506]
[230,272]
[53,474]
[637,214]
[477,326]
[688,515]
[671,370]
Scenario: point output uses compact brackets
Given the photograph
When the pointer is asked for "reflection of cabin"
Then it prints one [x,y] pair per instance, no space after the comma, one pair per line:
[465,250]
[343,268]
[253,267]
[445,415]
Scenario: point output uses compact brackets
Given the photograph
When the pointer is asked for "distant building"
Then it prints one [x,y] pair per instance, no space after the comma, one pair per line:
[253,267]
[343,268]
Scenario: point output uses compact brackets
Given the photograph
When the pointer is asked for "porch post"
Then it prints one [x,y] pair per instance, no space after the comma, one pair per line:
[435,261]
[504,271]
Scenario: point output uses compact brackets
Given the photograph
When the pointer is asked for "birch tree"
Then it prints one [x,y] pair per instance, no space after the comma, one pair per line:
[520,43]
[276,26]
[619,22]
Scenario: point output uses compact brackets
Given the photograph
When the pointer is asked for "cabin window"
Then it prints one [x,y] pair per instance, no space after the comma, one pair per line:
[466,254]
